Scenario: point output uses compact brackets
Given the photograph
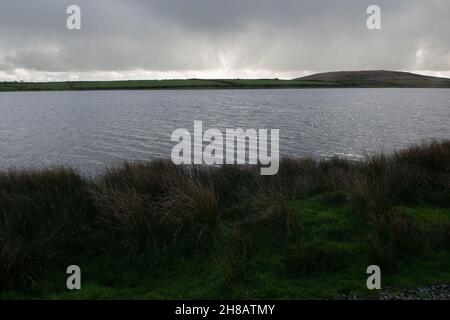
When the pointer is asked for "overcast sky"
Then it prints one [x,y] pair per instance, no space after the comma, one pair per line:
[137,39]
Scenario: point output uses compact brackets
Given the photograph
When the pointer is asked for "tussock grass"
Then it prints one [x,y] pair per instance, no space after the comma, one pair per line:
[394,235]
[192,209]
[41,214]
[48,217]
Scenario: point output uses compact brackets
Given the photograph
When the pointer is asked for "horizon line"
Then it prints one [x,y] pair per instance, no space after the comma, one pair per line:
[438,74]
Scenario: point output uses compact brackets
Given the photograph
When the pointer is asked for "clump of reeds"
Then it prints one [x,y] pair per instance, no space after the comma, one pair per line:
[394,235]
[44,216]
[422,173]
[193,210]
[128,220]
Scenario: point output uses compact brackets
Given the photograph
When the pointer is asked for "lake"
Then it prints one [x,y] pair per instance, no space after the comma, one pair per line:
[92,129]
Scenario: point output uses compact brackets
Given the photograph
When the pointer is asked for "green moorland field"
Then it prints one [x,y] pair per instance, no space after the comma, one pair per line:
[186,84]
[161,84]
[157,231]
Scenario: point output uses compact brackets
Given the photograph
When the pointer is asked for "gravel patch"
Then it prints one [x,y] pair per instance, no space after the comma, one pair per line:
[436,292]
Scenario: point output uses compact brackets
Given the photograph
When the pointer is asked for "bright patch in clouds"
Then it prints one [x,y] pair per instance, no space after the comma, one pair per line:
[154,39]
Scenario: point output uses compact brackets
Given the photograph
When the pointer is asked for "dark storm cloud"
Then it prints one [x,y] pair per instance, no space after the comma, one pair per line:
[179,35]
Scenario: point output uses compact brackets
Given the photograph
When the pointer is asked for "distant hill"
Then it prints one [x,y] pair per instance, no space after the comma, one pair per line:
[378,78]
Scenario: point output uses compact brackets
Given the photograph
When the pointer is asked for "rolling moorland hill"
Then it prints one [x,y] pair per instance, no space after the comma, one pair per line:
[378,78]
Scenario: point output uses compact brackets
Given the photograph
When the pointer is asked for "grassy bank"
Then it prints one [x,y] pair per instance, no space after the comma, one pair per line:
[155,230]
[164,84]
[196,84]
[342,79]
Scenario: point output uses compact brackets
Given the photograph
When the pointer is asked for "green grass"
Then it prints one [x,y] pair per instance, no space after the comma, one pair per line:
[163,84]
[158,231]
[335,231]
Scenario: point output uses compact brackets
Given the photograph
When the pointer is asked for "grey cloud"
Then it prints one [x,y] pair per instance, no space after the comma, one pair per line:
[179,35]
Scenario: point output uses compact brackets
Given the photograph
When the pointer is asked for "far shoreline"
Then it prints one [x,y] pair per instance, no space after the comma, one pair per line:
[344,79]
[205,88]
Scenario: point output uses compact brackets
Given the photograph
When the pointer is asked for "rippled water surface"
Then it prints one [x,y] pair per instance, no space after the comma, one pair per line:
[91,129]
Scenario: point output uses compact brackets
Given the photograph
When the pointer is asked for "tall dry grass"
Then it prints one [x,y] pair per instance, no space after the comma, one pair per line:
[49,216]
[192,209]
[43,216]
